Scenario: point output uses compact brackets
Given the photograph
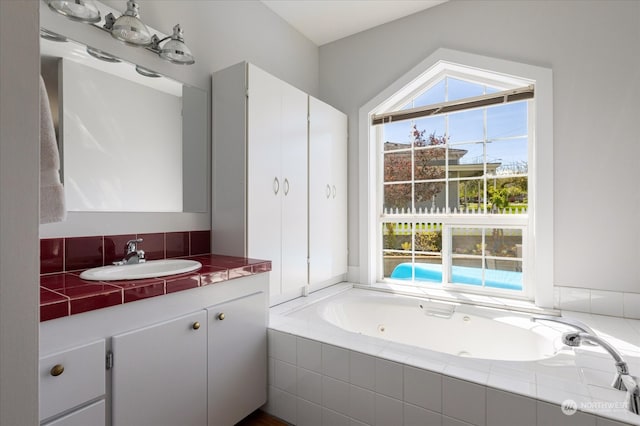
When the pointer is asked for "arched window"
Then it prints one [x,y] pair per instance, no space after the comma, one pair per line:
[455,154]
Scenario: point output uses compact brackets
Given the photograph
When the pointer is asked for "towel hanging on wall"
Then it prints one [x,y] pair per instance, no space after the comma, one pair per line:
[52,207]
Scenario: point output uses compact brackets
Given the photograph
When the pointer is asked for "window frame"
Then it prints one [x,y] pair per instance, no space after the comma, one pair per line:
[538,249]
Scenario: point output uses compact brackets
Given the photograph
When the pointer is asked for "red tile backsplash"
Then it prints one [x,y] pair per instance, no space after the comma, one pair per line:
[51,255]
[83,253]
[200,242]
[177,244]
[153,246]
[114,247]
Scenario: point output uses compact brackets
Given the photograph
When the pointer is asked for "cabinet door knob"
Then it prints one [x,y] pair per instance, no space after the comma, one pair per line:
[221,316]
[57,370]
[328,191]
[196,325]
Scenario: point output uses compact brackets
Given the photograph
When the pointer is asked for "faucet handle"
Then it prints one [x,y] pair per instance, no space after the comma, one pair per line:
[132,245]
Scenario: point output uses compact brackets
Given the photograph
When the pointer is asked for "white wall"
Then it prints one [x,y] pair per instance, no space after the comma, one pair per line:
[19,170]
[220,34]
[592,48]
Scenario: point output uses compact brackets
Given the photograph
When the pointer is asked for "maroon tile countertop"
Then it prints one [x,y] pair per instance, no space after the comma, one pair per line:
[64,294]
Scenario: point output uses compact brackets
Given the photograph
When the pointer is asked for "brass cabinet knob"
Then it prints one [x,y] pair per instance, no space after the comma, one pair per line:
[57,370]
[196,325]
[221,316]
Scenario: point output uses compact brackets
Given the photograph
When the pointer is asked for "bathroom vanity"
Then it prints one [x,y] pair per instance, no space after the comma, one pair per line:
[192,357]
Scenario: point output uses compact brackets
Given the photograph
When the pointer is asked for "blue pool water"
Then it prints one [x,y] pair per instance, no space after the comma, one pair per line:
[494,278]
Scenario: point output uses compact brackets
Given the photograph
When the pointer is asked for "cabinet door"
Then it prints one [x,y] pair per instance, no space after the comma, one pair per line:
[327,192]
[294,194]
[237,358]
[93,415]
[159,374]
[264,177]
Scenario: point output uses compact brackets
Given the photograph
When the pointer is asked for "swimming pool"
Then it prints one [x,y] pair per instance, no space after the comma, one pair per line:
[494,278]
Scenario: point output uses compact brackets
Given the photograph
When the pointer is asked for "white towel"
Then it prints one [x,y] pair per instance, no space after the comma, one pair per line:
[52,208]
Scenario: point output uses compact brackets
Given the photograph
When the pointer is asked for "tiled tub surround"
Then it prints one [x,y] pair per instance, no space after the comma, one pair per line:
[65,293]
[320,374]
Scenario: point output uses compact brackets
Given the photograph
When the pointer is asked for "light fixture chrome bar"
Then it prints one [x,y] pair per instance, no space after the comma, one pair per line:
[497,98]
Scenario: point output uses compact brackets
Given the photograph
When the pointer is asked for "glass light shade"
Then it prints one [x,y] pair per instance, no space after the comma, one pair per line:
[78,10]
[175,51]
[130,29]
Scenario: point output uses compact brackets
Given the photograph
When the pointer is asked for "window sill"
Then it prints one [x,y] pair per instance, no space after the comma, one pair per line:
[461,297]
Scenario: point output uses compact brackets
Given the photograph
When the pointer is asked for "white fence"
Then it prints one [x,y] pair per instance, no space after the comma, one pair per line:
[456,211]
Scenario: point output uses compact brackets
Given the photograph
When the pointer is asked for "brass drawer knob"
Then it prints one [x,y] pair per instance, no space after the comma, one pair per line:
[221,316]
[196,325]
[57,370]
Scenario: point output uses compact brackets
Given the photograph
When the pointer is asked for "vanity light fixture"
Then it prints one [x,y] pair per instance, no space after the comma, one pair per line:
[128,28]
[78,10]
[174,50]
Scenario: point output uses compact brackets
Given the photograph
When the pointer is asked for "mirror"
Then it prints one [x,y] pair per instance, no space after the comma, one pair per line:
[130,140]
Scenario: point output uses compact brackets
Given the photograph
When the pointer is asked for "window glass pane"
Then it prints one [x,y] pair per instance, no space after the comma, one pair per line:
[428,239]
[466,126]
[508,194]
[503,242]
[397,135]
[434,95]
[468,153]
[397,166]
[430,195]
[503,274]
[460,89]
[508,156]
[466,270]
[397,245]
[507,120]
[466,241]
[429,163]
[428,269]
[431,126]
[397,196]
[471,193]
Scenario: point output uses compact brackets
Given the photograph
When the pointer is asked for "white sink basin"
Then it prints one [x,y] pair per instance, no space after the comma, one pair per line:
[149,269]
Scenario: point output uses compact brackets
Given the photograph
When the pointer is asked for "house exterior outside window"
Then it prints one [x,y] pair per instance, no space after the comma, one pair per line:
[459,195]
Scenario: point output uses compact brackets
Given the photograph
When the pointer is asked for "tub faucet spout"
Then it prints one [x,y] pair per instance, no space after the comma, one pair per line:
[577,324]
[623,380]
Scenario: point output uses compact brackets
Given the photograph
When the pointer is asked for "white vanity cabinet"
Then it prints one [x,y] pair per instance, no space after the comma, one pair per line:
[327,193]
[159,374]
[237,347]
[173,360]
[69,381]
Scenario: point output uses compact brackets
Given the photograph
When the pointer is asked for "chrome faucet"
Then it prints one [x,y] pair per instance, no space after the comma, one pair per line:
[132,254]
[623,380]
[577,324]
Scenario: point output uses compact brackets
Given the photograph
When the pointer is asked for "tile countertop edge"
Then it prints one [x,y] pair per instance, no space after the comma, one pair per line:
[100,294]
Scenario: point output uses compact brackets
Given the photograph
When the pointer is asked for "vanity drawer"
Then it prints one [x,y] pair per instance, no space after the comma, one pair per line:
[72,377]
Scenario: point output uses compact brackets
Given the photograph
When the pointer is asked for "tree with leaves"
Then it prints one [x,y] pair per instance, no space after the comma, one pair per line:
[428,156]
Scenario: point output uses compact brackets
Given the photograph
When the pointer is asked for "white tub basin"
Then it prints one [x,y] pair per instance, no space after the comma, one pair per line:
[149,269]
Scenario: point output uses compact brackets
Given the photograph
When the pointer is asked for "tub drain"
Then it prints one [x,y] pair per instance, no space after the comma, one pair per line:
[381,328]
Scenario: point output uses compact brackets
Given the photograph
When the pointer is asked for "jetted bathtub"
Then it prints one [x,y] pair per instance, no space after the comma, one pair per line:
[456,329]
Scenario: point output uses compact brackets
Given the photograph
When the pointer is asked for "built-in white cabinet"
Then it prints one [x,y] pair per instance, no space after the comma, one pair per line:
[70,380]
[277,179]
[237,347]
[327,193]
[262,168]
[159,374]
